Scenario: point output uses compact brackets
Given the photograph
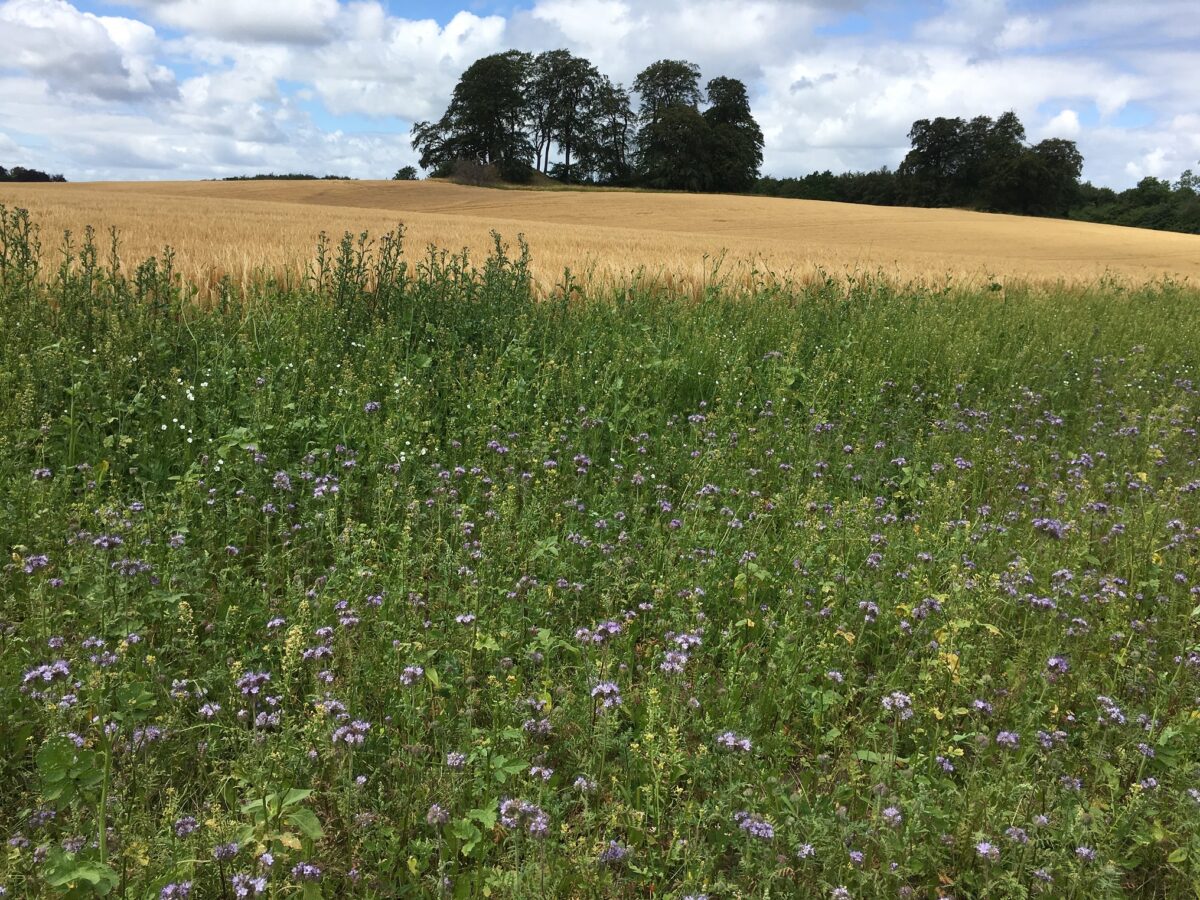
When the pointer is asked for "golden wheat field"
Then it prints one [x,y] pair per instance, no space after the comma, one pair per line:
[244,228]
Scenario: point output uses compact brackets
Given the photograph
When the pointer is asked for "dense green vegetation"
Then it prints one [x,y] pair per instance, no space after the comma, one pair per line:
[399,582]
[20,173]
[511,112]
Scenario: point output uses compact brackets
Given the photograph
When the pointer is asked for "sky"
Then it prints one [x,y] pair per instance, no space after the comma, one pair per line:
[182,89]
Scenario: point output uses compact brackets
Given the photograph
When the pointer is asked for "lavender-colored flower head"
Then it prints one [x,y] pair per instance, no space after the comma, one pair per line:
[732,741]
[306,871]
[614,854]
[608,693]
[755,826]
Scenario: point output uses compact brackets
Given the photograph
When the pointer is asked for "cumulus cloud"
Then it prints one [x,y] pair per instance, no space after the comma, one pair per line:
[111,58]
[296,21]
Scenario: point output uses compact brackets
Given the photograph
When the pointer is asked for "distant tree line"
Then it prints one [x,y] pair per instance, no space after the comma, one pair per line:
[20,173]
[287,176]
[987,165]
[514,115]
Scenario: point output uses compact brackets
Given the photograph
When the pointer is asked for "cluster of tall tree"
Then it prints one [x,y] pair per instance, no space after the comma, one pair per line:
[20,173]
[555,113]
[982,163]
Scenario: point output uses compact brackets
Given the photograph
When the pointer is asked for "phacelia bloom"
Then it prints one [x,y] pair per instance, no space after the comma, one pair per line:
[835,676]
[247,885]
[437,816]
[1017,835]
[1010,740]
[31,564]
[613,854]
[1053,527]
[1057,666]
[455,760]
[731,741]
[988,851]
[673,662]
[185,826]
[306,871]
[585,785]
[176,890]
[252,682]
[515,813]
[225,852]
[371,406]
[755,826]
[840,893]
[465,618]
[893,816]
[1086,854]
[898,703]
[608,692]
[411,675]
[352,734]
[42,474]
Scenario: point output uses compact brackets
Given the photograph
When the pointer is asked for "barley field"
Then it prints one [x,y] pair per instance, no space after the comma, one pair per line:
[408,575]
[248,229]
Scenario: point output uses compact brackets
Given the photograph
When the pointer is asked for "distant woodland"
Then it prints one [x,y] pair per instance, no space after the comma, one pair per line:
[517,116]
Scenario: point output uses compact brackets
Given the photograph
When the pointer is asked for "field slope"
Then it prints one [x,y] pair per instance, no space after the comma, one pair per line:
[239,228]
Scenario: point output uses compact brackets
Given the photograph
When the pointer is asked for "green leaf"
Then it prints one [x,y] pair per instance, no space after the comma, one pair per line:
[1178,855]
[295,795]
[485,817]
[308,823]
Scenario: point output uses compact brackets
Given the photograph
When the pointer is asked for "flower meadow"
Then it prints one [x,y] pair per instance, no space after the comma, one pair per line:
[402,580]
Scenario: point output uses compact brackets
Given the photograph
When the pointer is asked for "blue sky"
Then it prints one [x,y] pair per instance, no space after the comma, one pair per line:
[203,88]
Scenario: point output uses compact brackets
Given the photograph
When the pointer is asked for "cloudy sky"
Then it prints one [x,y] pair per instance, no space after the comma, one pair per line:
[157,89]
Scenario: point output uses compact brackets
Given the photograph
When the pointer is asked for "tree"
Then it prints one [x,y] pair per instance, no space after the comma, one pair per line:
[673,150]
[486,119]
[736,141]
[667,83]
[607,155]
[1059,165]
[572,105]
[405,173]
[931,169]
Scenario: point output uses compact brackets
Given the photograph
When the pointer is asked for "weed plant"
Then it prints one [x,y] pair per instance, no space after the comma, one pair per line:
[402,583]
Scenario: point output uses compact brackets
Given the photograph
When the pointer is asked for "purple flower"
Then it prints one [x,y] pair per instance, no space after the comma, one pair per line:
[306,871]
[185,826]
[455,760]
[176,890]
[353,734]
[755,826]
[252,682]
[436,816]
[515,813]
[225,852]
[732,741]
[608,692]
[1086,854]
[898,703]
[1009,740]
[411,675]
[893,816]
[613,854]
[988,851]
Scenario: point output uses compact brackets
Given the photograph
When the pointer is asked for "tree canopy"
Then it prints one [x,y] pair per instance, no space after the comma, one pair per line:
[556,114]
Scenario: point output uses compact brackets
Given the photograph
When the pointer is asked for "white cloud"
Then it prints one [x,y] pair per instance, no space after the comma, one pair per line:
[1063,125]
[293,21]
[75,52]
